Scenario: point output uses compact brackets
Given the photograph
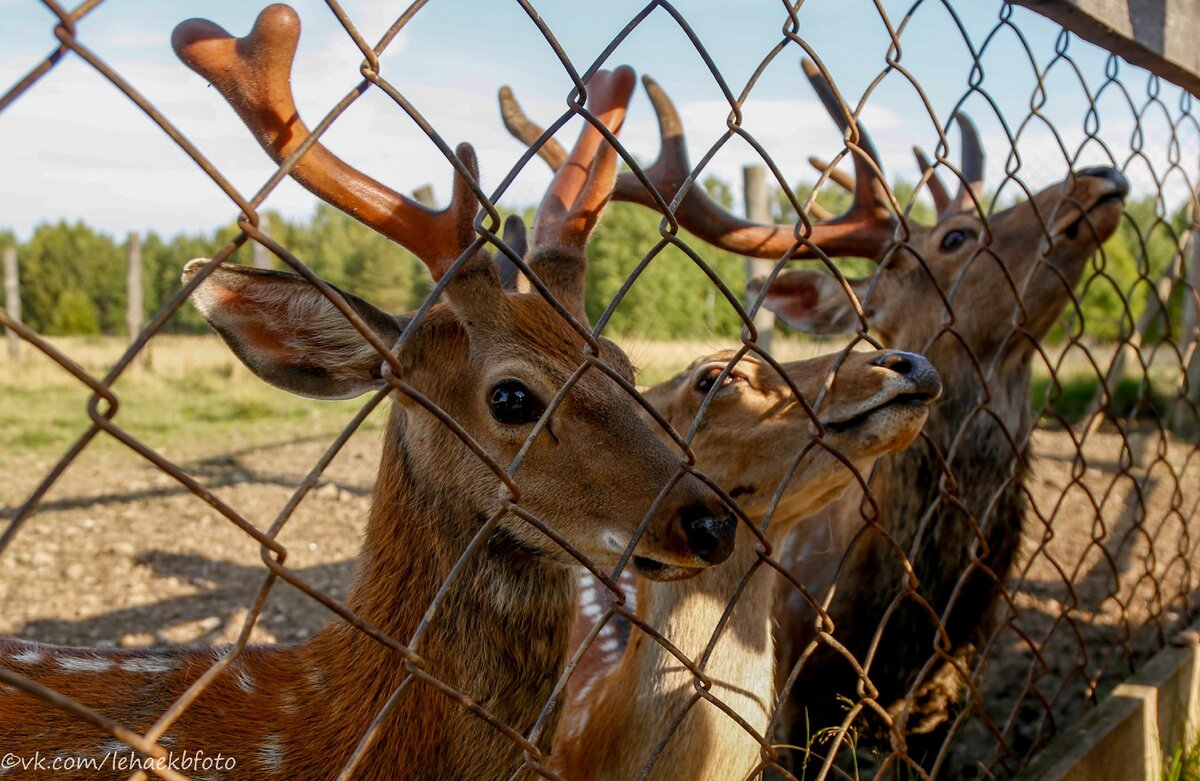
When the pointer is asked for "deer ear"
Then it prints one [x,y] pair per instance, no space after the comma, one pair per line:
[812,301]
[291,335]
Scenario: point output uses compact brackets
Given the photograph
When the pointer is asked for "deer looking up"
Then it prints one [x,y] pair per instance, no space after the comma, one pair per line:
[494,363]
[753,430]
[761,445]
[975,292]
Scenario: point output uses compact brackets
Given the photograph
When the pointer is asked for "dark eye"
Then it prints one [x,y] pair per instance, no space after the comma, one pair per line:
[954,239]
[710,375]
[514,404]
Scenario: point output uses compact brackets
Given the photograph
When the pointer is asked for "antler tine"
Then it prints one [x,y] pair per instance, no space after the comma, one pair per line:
[840,178]
[253,74]
[515,237]
[972,161]
[583,184]
[864,231]
[937,188]
[527,131]
[869,191]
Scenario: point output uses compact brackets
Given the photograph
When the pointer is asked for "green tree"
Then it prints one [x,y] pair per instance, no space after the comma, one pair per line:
[72,280]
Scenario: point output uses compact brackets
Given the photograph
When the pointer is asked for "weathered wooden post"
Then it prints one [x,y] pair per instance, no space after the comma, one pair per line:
[12,299]
[758,209]
[262,255]
[424,195]
[133,287]
[1190,331]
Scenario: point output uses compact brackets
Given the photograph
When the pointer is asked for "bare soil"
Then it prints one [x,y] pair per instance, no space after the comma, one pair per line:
[120,554]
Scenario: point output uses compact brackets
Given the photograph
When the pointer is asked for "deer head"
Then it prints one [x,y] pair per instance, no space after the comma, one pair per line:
[493,361]
[756,439]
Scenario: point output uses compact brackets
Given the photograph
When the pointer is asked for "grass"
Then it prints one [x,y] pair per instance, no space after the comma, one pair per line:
[1184,764]
[187,392]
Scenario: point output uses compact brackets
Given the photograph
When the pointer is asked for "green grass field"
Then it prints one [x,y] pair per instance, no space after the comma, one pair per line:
[189,392]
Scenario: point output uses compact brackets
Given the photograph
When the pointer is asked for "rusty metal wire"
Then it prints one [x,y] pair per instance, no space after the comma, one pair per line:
[1077,537]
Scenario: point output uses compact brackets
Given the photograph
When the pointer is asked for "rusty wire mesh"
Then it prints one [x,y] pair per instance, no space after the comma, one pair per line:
[1102,566]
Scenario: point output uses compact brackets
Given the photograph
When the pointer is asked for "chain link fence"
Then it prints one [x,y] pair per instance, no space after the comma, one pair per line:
[958,606]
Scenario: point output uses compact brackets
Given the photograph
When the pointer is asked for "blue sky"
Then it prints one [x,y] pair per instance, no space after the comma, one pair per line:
[75,148]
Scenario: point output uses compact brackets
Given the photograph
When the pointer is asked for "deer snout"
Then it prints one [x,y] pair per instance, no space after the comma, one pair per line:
[916,369]
[710,537]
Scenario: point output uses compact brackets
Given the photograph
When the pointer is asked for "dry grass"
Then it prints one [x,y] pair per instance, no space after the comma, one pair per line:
[189,388]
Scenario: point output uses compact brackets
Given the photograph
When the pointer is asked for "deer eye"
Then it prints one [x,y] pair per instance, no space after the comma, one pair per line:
[513,404]
[709,376]
[954,239]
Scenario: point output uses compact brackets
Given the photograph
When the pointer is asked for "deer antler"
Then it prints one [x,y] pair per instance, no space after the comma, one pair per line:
[582,186]
[253,73]
[971,163]
[583,182]
[864,230]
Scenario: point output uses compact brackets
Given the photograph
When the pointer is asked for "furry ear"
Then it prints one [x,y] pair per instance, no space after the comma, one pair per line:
[812,301]
[291,335]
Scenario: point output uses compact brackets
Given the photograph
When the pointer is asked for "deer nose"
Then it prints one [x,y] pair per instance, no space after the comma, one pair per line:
[915,368]
[1109,173]
[710,538]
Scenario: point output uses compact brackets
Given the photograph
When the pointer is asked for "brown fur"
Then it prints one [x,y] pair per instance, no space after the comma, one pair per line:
[1005,291]
[501,634]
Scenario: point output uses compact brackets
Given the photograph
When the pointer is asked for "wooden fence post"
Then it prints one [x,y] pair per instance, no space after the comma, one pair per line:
[424,196]
[1191,328]
[758,209]
[12,299]
[133,287]
[260,254]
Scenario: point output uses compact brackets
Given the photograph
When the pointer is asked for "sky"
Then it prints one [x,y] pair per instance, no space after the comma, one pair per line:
[74,147]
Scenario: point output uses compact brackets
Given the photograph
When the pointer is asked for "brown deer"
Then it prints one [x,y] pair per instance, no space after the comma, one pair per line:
[753,436]
[975,292]
[460,691]
[759,443]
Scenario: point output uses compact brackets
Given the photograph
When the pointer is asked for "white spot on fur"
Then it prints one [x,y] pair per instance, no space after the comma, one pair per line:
[287,703]
[28,656]
[245,681]
[614,542]
[148,664]
[88,664]
[316,679]
[270,753]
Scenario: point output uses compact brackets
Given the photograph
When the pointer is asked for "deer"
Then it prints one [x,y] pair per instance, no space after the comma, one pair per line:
[914,589]
[635,711]
[753,432]
[444,660]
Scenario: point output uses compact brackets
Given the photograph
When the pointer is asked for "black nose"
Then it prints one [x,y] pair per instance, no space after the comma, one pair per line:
[710,538]
[1109,173]
[917,368]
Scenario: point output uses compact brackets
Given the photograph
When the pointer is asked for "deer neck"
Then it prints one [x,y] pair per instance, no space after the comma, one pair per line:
[499,637]
[635,705]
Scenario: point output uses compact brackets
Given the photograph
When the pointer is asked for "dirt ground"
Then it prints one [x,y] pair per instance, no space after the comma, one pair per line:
[122,555]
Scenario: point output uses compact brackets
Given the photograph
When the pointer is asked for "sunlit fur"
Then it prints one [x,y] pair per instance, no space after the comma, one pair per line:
[749,440]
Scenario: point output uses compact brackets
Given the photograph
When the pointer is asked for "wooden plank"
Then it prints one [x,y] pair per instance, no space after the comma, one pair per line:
[1158,35]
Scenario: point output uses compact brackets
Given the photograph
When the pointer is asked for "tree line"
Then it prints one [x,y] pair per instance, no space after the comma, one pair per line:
[72,278]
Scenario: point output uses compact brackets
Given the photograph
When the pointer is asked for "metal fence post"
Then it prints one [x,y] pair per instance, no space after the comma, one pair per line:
[758,209]
[12,299]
